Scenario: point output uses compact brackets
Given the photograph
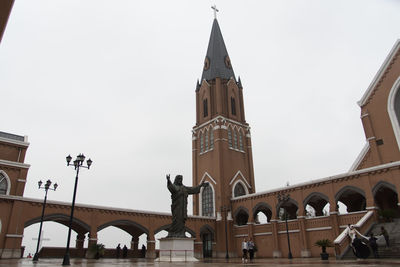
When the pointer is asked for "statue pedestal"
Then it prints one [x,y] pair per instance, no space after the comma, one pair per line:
[176,249]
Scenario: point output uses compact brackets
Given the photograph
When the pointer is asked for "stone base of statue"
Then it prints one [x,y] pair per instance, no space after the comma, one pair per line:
[176,249]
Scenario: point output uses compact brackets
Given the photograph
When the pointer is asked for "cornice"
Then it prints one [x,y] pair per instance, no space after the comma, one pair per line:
[334,178]
[14,142]
[97,207]
[14,164]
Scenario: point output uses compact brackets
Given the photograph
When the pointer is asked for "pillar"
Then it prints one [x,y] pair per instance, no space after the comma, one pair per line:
[305,251]
[151,246]
[277,253]
[134,243]
[80,239]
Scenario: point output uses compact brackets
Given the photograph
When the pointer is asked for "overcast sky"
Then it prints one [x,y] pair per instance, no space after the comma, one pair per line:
[115,80]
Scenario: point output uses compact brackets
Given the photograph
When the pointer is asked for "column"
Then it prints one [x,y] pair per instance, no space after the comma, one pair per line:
[151,246]
[277,253]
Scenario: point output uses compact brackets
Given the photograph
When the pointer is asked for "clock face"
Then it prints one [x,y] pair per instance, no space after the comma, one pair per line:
[228,62]
[206,63]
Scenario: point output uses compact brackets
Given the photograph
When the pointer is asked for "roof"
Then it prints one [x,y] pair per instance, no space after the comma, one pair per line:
[217,62]
[379,75]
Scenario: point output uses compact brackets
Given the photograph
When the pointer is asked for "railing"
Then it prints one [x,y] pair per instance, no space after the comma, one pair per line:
[176,254]
[342,242]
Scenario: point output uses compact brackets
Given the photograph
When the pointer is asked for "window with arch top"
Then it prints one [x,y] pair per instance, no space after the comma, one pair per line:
[207,202]
[233,106]
[205,107]
[3,184]
[239,190]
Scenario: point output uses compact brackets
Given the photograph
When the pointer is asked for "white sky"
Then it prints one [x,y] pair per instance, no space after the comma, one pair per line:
[115,80]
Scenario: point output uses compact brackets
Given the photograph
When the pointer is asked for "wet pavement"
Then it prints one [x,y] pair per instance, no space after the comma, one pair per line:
[216,262]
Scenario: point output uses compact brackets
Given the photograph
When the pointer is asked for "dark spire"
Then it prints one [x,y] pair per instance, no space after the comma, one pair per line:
[239,83]
[197,85]
[217,62]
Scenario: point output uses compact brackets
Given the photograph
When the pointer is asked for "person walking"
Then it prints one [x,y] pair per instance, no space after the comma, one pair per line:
[385,235]
[250,248]
[124,251]
[244,249]
[118,250]
[373,245]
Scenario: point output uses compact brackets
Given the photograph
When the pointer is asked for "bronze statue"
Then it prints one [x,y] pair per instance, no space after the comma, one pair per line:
[179,194]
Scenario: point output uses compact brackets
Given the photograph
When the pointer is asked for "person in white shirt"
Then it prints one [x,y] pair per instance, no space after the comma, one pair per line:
[244,249]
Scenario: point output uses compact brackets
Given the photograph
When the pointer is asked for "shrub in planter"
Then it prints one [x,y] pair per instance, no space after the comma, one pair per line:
[324,243]
[97,250]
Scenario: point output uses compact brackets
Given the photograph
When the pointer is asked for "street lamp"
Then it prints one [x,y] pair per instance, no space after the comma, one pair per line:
[77,163]
[225,209]
[284,198]
[46,188]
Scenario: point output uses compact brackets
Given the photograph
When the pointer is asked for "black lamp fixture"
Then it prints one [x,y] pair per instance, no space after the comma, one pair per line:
[46,188]
[284,198]
[77,163]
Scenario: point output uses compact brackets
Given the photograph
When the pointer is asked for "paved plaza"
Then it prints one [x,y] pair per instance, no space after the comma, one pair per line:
[233,262]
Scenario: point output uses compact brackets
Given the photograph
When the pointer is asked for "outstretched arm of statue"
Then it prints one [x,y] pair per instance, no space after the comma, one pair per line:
[205,184]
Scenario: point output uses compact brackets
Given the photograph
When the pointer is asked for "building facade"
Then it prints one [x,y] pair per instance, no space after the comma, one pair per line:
[229,209]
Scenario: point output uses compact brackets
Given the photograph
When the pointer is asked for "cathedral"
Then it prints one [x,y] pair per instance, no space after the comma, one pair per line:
[227,211]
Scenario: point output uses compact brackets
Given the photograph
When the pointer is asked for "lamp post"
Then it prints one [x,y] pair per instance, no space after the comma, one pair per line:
[78,163]
[225,209]
[46,188]
[284,198]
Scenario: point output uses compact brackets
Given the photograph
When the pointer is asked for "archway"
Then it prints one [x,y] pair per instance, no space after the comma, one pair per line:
[290,207]
[352,197]
[386,198]
[241,216]
[207,237]
[315,204]
[262,213]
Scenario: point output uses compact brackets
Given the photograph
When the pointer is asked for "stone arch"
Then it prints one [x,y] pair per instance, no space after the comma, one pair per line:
[291,206]
[385,196]
[167,226]
[77,225]
[353,197]
[264,208]
[3,175]
[131,227]
[235,188]
[207,229]
[207,236]
[317,201]
[393,108]
[241,216]
[201,199]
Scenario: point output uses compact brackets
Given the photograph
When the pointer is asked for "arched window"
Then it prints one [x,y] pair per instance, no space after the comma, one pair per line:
[201,143]
[207,202]
[212,138]
[205,107]
[239,190]
[206,140]
[235,142]
[240,141]
[3,184]
[230,137]
[233,106]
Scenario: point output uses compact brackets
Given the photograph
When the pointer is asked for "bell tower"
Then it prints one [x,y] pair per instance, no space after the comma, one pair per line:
[221,140]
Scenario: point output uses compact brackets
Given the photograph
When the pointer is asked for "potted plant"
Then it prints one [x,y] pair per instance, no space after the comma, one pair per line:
[324,243]
[97,250]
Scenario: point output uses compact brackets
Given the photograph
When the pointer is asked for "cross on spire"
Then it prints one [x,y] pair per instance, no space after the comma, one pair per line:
[215,11]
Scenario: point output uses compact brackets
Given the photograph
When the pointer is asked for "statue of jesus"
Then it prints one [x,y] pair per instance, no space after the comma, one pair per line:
[179,194]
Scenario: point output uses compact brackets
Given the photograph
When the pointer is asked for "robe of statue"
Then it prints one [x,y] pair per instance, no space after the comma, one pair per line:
[179,194]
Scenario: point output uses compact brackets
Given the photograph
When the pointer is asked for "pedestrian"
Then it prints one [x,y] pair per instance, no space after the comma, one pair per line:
[143,251]
[385,235]
[118,250]
[250,247]
[29,256]
[244,249]
[374,246]
[124,251]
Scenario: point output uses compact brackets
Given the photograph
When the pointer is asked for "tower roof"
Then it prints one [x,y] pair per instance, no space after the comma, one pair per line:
[217,62]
